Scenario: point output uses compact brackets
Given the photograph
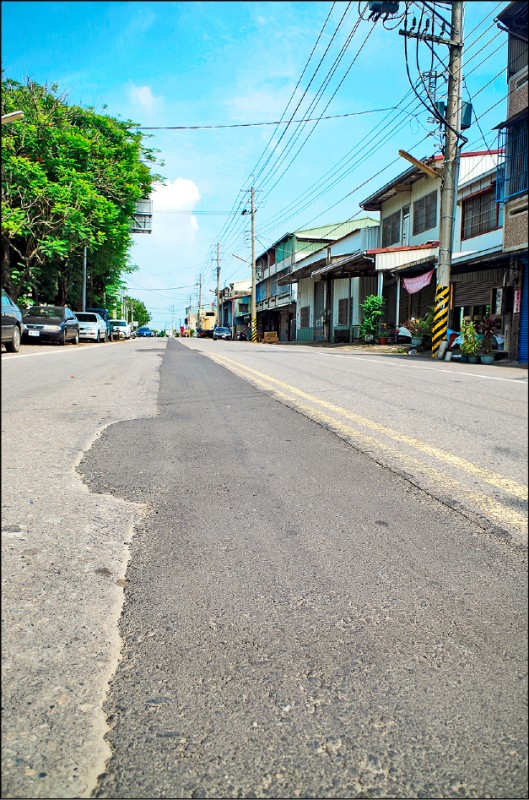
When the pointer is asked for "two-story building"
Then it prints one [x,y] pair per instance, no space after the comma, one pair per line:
[234,307]
[276,299]
[406,262]
[513,176]
[328,297]
[398,259]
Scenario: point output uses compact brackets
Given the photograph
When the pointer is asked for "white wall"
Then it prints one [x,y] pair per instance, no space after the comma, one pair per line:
[305,298]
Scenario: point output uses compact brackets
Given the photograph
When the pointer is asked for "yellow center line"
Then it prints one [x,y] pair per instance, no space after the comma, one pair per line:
[495,510]
[498,481]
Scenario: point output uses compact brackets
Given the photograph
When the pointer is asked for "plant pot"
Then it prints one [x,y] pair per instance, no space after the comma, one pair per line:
[382,339]
[416,341]
[473,359]
[464,358]
[487,358]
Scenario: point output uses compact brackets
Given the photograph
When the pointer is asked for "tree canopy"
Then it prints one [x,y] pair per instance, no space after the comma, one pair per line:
[71,178]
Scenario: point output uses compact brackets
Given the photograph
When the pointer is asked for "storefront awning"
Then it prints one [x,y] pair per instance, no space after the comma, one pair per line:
[353,265]
[415,268]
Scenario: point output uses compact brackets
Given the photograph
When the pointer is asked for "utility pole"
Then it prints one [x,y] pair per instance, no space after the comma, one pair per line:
[199,300]
[83,304]
[451,158]
[218,284]
[254,294]
[449,181]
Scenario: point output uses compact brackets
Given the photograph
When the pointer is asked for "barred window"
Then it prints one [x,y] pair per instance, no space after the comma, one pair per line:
[391,229]
[304,317]
[516,158]
[343,308]
[480,214]
[425,213]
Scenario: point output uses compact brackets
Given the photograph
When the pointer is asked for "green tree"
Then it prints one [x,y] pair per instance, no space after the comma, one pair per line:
[139,311]
[372,308]
[70,179]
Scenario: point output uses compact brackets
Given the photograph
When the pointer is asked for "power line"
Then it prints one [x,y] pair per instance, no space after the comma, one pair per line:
[260,124]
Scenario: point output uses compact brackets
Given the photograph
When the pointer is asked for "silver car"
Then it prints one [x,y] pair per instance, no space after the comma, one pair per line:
[91,326]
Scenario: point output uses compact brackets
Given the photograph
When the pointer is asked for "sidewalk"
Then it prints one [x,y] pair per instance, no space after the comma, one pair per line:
[394,350]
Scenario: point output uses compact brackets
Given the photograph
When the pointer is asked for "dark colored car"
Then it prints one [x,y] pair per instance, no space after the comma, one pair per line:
[222,333]
[12,325]
[144,331]
[51,324]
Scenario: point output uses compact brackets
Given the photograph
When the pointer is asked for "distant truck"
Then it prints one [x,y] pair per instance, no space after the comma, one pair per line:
[205,331]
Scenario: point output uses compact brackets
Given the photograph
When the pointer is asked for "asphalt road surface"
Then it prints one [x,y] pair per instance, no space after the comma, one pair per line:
[300,620]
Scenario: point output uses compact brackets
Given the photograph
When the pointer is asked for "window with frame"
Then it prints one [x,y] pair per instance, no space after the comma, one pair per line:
[343,309]
[391,229]
[304,317]
[516,159]
[425,213]
[479,214]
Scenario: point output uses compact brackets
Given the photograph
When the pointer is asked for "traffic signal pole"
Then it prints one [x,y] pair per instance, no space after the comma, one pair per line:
[449,181]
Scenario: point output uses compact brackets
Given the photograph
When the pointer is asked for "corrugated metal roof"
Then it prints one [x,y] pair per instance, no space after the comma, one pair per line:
[330,232]
[402,258]
[336,230]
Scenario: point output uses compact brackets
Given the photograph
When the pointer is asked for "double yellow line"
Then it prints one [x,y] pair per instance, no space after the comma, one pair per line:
[439,482]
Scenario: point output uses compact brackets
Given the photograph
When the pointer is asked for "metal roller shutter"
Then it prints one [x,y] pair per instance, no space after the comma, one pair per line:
[473,294]
[524,314]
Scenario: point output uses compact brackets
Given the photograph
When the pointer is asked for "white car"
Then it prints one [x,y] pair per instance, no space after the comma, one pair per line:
[91,326]
[120,329]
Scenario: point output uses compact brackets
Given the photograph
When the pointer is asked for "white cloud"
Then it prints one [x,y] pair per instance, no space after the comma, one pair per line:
[144,97]
[181,194]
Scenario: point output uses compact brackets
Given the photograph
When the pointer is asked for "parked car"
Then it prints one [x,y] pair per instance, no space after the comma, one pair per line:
[120,328]
[144,331]
[91,326]
[105,314]
[12,325]
[50,324]
[222,333]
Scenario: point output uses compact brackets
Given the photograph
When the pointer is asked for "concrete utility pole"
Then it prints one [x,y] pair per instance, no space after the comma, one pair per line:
[254,293]
[199,300]
[218,285]
[83,304]
[449,180]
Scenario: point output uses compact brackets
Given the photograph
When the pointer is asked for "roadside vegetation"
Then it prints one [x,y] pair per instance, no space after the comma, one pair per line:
[71,178]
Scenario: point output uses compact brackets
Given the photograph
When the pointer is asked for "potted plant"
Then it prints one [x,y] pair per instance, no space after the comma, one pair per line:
[487,328]
[383,333]
[415,327]
[470,344]
[372,308]
[426,325]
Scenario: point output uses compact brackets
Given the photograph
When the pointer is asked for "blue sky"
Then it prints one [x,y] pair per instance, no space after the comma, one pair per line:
[189,64]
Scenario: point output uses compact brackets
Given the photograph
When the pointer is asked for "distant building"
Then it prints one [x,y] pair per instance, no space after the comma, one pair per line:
[234,307]
[275,295]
